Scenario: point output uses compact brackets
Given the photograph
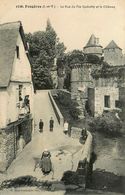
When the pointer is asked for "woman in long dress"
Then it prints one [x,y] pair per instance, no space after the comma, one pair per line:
[46,164]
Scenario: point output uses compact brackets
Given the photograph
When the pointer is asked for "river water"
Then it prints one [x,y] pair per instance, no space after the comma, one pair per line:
[110,154]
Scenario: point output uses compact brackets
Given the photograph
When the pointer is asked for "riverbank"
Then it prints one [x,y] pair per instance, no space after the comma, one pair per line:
[109,168]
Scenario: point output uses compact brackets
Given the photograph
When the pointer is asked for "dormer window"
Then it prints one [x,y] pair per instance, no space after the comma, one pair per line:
[17,52]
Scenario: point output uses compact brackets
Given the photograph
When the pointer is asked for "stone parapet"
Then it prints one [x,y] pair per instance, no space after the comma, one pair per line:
[56,110]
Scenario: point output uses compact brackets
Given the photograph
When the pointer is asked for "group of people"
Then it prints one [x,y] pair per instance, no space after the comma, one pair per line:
[41,125]
[45,163]
[51,125]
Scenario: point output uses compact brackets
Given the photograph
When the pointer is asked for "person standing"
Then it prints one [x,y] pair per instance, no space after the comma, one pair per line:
[45,163]
[51,124]
[41,124]
[66,127]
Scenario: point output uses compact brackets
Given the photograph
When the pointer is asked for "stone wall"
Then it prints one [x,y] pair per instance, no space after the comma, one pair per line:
[81,80]
[26,127]
[76,132]
[96,50]
[111,81]
[96,99]
[122,101]
[61,82]
[9,141]
[56,110]
[113,57]
[100,92]
[7,149]
[91,101]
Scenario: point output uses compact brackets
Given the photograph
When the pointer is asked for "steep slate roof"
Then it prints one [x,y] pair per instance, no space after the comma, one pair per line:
[112,45]
[8,39]
[91,42]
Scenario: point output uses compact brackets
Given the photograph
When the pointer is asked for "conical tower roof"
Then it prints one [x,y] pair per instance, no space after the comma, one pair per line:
[112,45]
[92,42]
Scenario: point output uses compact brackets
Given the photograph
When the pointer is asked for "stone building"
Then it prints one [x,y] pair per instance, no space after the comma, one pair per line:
[105,96]
[109,82]
[16,92]
[97,85]
[81,80]
[93,46]
[113,54]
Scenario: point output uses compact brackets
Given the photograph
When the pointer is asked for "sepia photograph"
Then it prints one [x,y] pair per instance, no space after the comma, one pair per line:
[62,97]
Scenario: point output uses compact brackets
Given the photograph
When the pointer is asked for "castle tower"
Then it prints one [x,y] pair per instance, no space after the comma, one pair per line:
[113,54]
[93,46]
[81,79]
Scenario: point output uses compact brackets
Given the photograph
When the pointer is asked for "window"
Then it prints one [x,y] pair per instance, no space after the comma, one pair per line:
[17,52]
[107,101]
[20,92]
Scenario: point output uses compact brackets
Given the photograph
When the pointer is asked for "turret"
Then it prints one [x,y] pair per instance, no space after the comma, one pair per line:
[93,47]
[113,54]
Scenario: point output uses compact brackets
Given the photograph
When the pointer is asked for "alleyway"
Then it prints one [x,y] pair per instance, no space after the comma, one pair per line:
[65,151]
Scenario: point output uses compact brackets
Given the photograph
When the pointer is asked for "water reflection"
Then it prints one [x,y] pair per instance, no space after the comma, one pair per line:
[110,154]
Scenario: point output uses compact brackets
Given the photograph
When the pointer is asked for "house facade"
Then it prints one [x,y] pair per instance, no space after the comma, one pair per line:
[16,92]
[107,94]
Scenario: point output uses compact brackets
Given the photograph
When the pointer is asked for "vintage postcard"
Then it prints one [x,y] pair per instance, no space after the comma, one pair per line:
[62,97]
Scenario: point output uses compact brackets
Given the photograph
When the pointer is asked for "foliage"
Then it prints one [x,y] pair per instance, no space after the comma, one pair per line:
[44,46]
[71,105]
[65,62]
[74,57]
[107,124]
[107,71]
[94,59]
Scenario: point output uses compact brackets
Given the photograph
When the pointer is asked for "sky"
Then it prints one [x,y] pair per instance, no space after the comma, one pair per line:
[73,25]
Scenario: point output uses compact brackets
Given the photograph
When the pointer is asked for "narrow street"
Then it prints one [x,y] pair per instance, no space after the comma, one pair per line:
[65,151]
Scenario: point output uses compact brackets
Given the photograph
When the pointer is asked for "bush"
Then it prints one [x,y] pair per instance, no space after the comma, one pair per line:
[71,105]
[107,123]
[73,110]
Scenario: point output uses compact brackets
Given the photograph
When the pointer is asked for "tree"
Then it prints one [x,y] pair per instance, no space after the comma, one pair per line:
[94,59]
[64,63]
[75,57]
[44,46]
